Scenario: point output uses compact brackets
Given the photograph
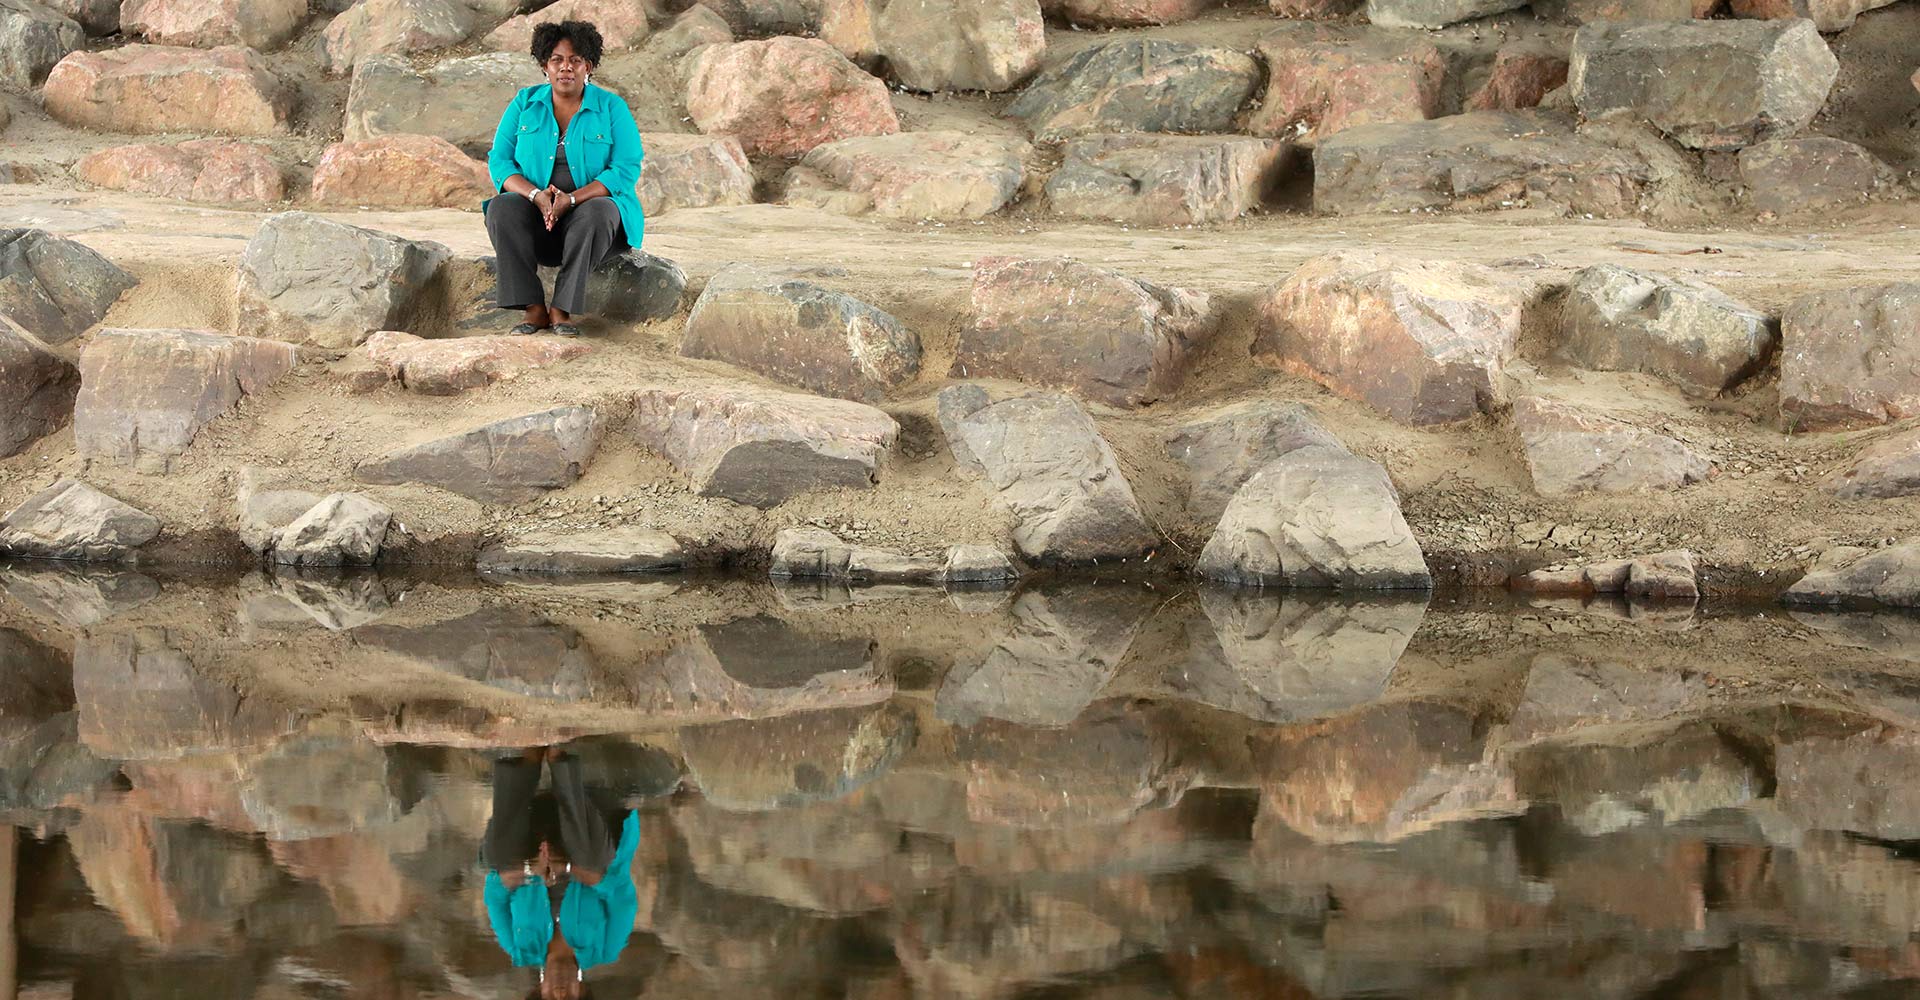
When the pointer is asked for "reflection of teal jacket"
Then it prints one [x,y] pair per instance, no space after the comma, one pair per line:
[595,919]
[603,144]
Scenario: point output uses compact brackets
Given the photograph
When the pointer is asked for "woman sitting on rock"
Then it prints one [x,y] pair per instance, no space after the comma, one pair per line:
[566,158]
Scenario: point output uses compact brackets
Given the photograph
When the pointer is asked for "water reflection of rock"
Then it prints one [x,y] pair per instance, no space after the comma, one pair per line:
[1108,765]
[754,668]
[1659,774]
[1382,773]
[1057,656]
[792,760]
[140,697]
[77,597]
[515,649]
[1288,660]
[334,600]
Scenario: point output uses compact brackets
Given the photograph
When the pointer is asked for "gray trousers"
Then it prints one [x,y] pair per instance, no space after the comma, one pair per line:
[586,236]
[522,818]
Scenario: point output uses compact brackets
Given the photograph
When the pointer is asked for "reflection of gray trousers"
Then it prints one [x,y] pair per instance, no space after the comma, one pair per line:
[522,243]
[522,819]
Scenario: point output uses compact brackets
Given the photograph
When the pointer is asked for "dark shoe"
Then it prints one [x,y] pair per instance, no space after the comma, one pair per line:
[565,330]
[524,330]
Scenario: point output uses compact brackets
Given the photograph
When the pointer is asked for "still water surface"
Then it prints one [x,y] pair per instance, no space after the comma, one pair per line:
[283,787]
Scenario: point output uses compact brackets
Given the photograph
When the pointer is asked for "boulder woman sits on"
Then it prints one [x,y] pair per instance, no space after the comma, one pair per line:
[559,889]
[565,158]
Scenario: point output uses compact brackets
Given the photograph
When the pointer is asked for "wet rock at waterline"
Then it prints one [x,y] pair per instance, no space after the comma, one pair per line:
[616,550]
[1660,576]
[759,446]
[816,553]
[71,520]
[1849,576]
[312,280]
[1424,342]
[1105,336]
[53,287]
[1617,319]
[507,461]
[342,529]
[145,394]
[1317,516]
[1716,85]
[1049,466]
[798,332]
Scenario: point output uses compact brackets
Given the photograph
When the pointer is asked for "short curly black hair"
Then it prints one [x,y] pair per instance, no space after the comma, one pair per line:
[584,36]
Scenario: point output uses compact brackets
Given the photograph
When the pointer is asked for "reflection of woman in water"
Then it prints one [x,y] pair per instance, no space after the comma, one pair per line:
[553,864]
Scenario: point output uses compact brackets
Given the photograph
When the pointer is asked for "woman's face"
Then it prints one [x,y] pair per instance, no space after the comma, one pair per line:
[566,70]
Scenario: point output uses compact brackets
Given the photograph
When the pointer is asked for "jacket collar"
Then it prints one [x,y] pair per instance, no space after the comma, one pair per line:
[594,98]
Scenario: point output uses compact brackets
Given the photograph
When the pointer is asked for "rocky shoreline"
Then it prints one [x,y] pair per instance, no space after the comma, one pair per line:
[896,301]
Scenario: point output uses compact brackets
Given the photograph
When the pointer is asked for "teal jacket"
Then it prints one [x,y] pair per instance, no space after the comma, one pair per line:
[595,919]
[603,144]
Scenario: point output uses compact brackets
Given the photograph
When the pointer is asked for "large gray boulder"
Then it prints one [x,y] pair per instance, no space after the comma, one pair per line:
[1224,449]
[1691,334]
[145,394]
[99,18]
[1424,342]
[1478,161]
[1570,449]
[1058,477]
[795,331]
[1887,468]
[760,447]
[1317,516]
[342,529]
[1850,576]
[458,100]
[1138,85]
[507,461]
[1717,85]
[911,175]
[933,45]
[1850,357]
[1165,180]
[312,280]
[38,386]
[33,38]
[1810,174]
[1827,15]
[71,520]
[53,287]
[1103,335]
[633,287]
[693,171]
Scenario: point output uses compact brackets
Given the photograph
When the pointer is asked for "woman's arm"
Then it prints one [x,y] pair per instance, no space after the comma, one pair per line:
[623,166]
[500,163]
